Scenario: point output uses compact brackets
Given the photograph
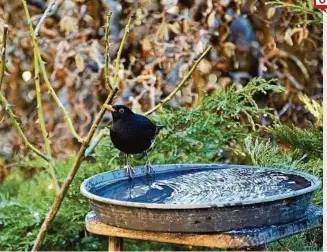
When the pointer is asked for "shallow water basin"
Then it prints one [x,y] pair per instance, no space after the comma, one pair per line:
[200,197]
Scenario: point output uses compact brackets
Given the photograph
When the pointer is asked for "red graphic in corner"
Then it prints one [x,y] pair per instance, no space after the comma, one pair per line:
[321,4]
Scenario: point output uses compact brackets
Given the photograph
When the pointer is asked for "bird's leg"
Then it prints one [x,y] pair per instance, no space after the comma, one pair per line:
[129,168]
[148,168]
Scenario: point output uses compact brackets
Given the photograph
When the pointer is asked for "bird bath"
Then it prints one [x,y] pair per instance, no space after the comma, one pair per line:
[196,198]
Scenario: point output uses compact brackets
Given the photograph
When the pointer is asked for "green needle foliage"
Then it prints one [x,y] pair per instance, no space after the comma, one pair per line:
[302,7]
[222,128]
[307,141]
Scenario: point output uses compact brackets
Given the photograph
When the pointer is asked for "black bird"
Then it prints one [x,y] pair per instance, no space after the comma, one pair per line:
[132,133]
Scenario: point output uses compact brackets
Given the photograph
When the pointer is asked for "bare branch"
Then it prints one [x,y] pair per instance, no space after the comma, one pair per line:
[103,133]
[121,47]
[79,159]
[44,16]
[45,76]
[7,106]
[180,85]
[81,153]
[20,132]
[42,124]
[106,70]
[3,52]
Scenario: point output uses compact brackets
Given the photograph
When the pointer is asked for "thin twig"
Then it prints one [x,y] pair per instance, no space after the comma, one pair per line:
[20,132]
[79,159]
[7,106]
[80,156]
[101,134]
[179,86]
[44,16]
[121,47]
[45,76]
[95,141]
[106,70]
[42,124]
[3,52]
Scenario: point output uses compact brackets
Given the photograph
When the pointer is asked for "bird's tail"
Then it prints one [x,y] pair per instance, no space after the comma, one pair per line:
[159,127]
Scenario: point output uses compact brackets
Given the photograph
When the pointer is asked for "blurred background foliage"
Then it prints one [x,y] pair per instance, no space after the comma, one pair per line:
[268,39]
[222,115]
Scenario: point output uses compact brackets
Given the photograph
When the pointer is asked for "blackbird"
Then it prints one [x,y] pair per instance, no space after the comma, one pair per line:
[132,133]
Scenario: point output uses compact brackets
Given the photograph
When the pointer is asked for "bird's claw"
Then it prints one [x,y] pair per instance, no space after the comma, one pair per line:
[149,170]
[130,171]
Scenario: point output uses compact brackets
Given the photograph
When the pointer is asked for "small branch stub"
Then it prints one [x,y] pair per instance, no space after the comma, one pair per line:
[3,53]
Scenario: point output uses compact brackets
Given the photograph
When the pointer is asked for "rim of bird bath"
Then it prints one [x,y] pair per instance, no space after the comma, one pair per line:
[120,175]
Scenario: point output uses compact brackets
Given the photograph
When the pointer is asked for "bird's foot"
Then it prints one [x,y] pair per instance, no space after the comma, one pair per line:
[130,171]
[149,170]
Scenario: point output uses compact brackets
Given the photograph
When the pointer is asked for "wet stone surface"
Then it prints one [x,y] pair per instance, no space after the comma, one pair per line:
[205,186]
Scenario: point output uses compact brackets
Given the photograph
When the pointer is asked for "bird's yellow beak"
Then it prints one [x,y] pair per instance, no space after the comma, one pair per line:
[109,107]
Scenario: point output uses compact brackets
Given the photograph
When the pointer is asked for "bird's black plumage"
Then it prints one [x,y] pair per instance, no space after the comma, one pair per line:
[131,133]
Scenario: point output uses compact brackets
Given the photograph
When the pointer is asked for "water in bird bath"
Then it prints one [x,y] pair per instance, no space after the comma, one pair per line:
[208,186]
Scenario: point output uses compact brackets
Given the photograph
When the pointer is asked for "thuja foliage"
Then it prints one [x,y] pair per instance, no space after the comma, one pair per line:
[301,7]
[307,141]
[214,130]
[222,128]
[264,152]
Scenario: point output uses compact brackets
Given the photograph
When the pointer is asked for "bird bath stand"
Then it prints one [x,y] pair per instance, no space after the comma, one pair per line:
[217,206]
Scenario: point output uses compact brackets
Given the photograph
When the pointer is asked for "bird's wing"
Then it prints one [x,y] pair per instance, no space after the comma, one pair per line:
[151,130]
[146,128]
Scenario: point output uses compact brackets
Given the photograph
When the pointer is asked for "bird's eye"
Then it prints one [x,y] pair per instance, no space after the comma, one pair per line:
[121,110]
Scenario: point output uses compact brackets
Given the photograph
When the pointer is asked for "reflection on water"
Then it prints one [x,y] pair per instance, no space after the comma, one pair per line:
[208,186]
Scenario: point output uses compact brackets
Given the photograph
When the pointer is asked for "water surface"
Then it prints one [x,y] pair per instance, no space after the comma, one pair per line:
[207,186]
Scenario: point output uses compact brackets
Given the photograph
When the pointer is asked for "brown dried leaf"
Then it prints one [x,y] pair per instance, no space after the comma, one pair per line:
[205,66]
[229,49]
[211,19]
[271,12]
[173,10]
[288,37]
[79,62]
[186,26]
[146,44]
[175,28]
[68,24]
[163,31]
